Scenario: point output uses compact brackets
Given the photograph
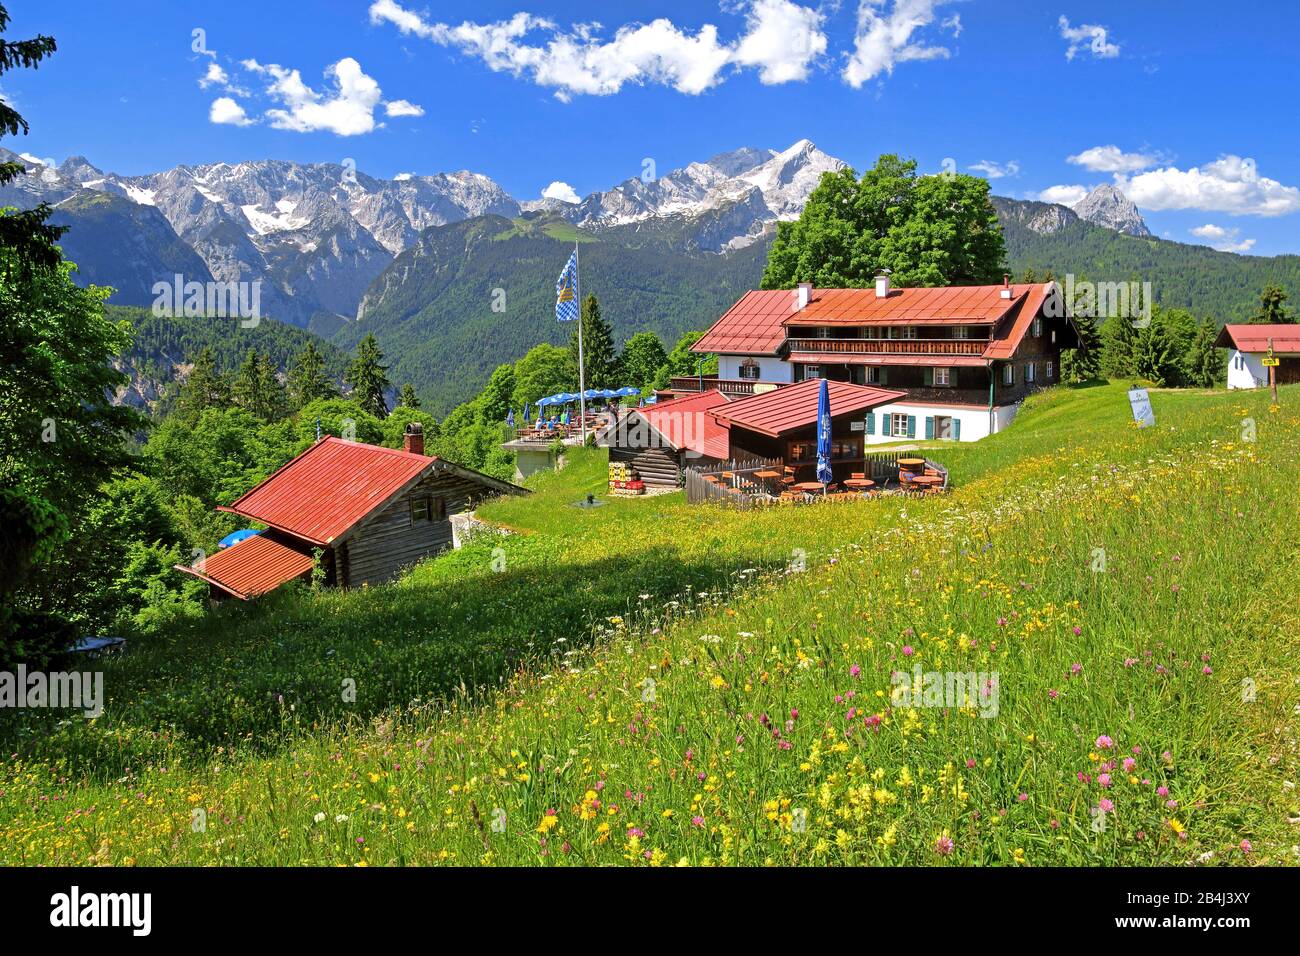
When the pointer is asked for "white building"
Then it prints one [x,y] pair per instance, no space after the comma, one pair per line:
[1247,347]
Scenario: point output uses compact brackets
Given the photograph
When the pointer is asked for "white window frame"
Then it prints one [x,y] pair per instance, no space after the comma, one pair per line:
[1037,328]
[1030,373]
[1008,374]
[897,425]
[872,374]
[943,377]
[960,332]
[1050,369]
[812,371]
[749,371]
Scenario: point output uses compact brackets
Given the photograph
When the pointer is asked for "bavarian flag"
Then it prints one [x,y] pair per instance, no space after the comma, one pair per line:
[566,291]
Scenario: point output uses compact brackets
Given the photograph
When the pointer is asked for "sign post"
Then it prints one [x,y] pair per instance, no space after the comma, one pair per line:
[1271,362]
[1142,411]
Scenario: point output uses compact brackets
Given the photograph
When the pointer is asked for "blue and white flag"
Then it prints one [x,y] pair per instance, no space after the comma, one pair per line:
[566,291]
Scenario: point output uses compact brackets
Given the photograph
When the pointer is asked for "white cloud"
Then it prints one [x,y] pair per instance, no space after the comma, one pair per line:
[782,40]
[953,23]
[563,191]
[402,108]
[1087,36]
[885,39]
[1065,195]
[215,76]
[35,160]
[346,109]
[1111,159]
[225,111]
[1223,239]
[993,170]
[1230,184]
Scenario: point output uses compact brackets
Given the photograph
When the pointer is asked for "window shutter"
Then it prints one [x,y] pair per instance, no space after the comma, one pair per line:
[929,376]
[956,429]
[884,376]
[884,424]
[871,424]
[911,426]
[929,427]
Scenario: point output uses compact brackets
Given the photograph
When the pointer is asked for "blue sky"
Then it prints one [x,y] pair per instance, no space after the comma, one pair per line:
[1187,105]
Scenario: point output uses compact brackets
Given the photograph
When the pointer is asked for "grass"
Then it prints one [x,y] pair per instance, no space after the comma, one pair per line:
[651,683]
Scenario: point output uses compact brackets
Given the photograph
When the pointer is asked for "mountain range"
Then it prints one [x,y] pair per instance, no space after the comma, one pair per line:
[417,259]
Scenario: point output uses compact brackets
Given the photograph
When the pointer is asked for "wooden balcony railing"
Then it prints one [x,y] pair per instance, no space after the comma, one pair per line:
[889,346]
[709,383]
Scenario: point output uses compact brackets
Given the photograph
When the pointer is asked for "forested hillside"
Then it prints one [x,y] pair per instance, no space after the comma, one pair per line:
[165,346]
[433,308]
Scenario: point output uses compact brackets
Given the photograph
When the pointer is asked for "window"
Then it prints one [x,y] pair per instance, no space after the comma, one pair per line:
[1029,373]
[1008,375]
[943,377]
[823,332]
[898,425]
[960,332]
[420,509]
[749,370]
[871,375]
[1048,376]
[812,371]
[1037,328]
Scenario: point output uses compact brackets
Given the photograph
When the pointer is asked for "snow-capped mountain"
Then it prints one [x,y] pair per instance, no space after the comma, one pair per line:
[1108,206]
[751,187]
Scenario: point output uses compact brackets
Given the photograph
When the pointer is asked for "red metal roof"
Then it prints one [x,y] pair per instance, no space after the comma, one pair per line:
[848,358]
[795,406]
[254,566]
[750,327]
[330,487]
[685,423]
[1254,338]
[951,305]
[1008,335]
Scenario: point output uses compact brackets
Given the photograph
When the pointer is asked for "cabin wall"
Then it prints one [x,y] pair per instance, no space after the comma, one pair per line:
[658,467]
[392,540]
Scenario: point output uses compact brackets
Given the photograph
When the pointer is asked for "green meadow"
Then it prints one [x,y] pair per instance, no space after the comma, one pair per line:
[650,683]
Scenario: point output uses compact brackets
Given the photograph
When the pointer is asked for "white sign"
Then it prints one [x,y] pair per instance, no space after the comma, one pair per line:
[857,426]
[1141,402]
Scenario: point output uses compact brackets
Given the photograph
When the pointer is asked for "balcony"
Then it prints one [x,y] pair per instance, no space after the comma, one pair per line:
[710,383]
[889,346]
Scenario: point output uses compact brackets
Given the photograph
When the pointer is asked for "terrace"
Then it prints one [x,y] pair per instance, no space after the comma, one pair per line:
[758,482]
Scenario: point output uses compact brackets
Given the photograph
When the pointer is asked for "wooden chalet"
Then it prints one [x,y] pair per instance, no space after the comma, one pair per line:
[369,511]
[964,357]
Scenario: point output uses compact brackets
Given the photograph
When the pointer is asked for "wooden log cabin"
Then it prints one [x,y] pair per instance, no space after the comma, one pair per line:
[661,440]
[367,511]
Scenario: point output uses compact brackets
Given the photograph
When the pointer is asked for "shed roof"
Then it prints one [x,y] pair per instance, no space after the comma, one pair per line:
[795,406]
[685,423]
[255,565]
[1254,338]
[334,484]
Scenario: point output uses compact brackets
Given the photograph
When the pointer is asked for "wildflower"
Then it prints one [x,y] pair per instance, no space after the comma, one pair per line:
[1104,742]
[549,822]
[943,844]
[855,670]
[1246,846]
[1105,805]
[319,818]
[341,818]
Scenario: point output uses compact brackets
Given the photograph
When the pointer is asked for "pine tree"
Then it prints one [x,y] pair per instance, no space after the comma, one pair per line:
[367,377]
[408,398]
[307,378]
[1153,356]
[257,388]
[1084,363]
[1204,362]
[1118,348]
[1272,308]
[597,346]
[204,388]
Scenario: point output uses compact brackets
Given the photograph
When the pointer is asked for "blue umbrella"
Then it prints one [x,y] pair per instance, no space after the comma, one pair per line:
[510,418]
[235,537]
[824,436]
[527,412]
[627,391]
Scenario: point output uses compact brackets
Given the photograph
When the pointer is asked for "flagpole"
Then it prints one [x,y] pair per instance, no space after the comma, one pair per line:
[582,375]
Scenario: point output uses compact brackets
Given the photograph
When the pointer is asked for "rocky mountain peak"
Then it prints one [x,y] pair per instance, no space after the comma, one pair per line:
[1108,206]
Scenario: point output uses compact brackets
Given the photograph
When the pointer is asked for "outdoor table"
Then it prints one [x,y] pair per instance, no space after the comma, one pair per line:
[911,462]
[808,487]
[858,483]
[927,480]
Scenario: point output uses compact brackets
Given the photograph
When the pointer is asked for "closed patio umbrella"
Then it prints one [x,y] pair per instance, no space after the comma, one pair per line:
[824,474]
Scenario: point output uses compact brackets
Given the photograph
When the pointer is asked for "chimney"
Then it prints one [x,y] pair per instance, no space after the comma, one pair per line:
[413,439]
[803,295]
[1005,292]
[882,283]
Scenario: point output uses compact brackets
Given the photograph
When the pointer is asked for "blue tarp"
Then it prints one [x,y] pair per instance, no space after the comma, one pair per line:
[235,537]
